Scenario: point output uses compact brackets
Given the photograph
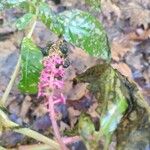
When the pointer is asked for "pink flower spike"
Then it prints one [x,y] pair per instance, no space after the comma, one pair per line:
[50,85]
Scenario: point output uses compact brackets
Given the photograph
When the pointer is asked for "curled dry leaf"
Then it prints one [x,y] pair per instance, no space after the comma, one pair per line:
[109,7]
[73,116]
[78,91]
[63,126]
[40,111]
[14,108]
[139,35]
[25,106]
[138,14]
[119,49]
[123,69]
[80,60]
[92,110]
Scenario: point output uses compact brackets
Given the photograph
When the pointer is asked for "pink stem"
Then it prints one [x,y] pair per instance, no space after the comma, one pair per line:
[54,125]
[69,140]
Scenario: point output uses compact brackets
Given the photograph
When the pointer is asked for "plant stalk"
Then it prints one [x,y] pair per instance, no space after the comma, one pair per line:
[39,137]
[2,148]
[32,29]
[5,123]
[10,84]
[15,73]
[55,126]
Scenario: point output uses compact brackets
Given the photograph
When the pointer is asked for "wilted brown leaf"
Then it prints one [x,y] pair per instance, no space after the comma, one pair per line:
[137,14]
[73,116]
[119,49]
[77,92]
[109,7]
[40,110]
[139,35]
[123,69]
[25,108]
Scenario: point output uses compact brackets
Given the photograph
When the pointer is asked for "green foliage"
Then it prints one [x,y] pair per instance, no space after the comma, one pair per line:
[24,21]
[113,117]
[86,127]
[79,28]
[31,66]
[26,5]
[1,7]
[49,18]
[109,90]
[85,31]
[11,3]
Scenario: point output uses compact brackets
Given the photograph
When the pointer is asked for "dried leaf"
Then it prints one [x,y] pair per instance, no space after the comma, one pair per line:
[119,49]
[137,13]
[73,116]
[123,69]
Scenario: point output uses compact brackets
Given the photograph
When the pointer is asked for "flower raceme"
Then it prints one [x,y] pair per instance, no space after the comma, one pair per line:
[51,79]
[50,86]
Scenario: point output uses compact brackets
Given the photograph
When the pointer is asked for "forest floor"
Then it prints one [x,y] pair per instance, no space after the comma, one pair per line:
[127,25]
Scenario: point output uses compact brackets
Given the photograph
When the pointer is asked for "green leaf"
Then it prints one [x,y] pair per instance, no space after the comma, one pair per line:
[24,4]
[31,66]
[49,18]
[85,31]
[79,28]
[11,3]
[111,94]
[24,21]
[1,7]
[86,130]
[113,117]
[85,127]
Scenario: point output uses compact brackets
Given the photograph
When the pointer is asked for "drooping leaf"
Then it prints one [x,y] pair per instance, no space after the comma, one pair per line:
[85,31]
[86,130]
[49,18]
[24,21]
[122,107]
[31,66]
[133,131]
[110,93]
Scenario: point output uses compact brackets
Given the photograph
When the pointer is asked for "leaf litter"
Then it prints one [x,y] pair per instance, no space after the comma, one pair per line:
[132,45]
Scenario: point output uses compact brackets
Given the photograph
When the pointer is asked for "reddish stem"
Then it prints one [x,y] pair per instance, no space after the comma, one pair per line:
[69,140]
[55,126]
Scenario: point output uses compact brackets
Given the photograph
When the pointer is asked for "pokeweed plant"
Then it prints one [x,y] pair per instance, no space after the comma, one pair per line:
[75,26]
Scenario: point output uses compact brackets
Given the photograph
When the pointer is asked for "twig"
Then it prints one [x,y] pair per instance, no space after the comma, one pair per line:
[6,123]
[2,148]
[15,73]
[11,82]
[34,147]
[39,137]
